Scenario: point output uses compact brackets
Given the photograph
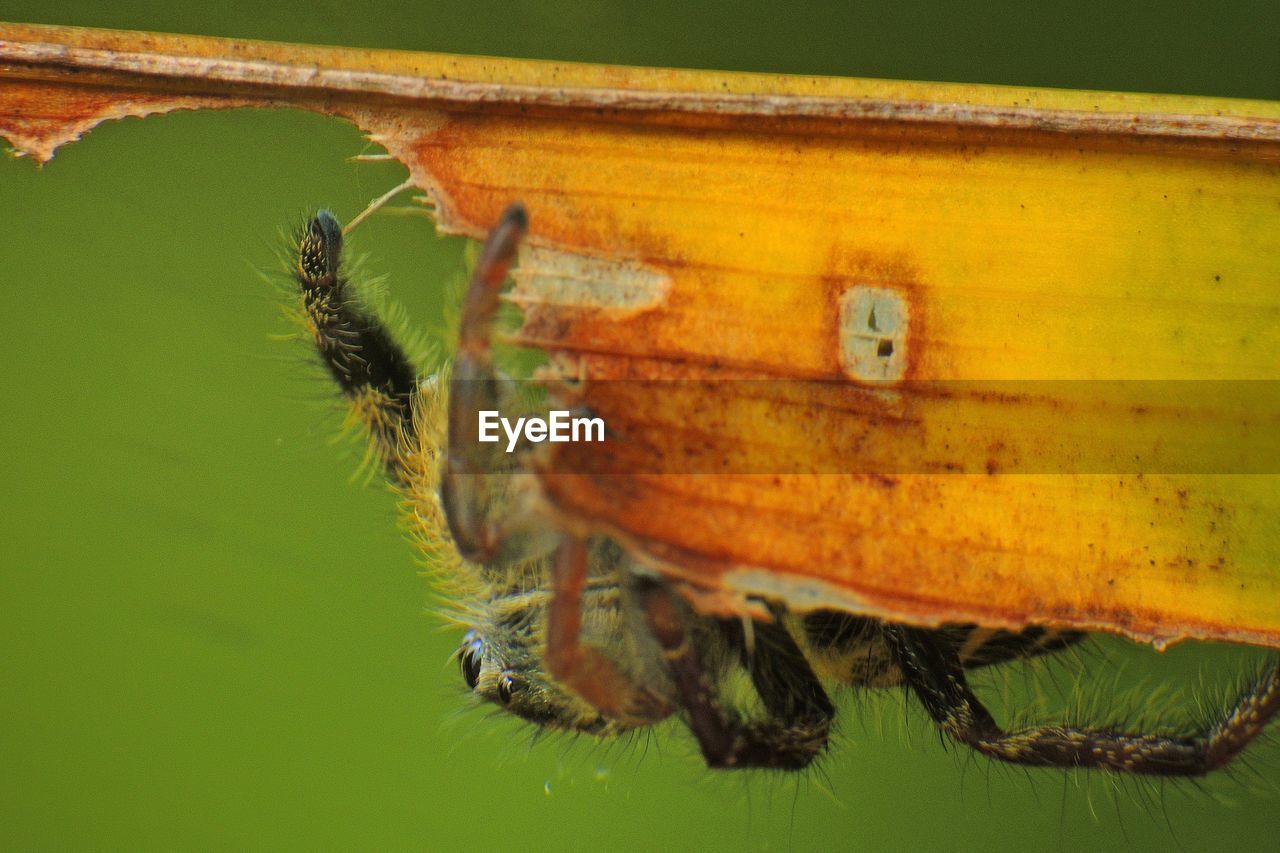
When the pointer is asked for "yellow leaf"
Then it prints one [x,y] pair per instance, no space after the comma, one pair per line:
[964,308]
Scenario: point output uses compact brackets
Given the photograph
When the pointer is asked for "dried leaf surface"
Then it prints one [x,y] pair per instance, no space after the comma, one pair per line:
[938,281]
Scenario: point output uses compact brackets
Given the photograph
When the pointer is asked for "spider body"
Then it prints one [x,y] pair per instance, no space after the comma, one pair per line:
[569,631]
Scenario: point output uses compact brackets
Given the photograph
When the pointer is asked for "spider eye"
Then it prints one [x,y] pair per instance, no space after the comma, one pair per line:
[470,669]
[469,660]
[506,687]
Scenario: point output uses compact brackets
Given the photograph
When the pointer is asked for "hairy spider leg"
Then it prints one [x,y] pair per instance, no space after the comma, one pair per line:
[376,376]
[932,670]
[799,712]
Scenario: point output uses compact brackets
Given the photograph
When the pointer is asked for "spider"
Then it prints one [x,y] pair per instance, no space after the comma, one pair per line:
[570,632]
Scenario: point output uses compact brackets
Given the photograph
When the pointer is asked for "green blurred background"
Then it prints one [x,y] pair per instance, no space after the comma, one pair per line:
[211,637]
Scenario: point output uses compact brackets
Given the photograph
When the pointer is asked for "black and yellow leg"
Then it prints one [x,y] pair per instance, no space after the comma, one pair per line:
[374,374]
[932,669]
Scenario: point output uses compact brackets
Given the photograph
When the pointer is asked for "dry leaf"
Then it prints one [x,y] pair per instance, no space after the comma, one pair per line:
[958,311]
